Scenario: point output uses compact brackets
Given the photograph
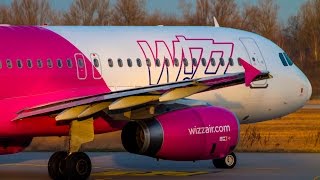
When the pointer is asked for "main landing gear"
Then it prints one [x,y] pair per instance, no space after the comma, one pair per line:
[227,162]
[73,165]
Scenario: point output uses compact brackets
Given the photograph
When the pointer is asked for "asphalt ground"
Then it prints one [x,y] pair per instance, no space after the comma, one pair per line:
[121,165]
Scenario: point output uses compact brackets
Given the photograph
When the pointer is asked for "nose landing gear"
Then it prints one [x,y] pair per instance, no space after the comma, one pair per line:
[227,162]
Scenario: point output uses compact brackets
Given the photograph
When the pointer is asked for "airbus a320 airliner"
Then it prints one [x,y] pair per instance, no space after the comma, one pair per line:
[177,93]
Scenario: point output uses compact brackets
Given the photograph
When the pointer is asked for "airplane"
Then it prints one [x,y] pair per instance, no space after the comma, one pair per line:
[177,93]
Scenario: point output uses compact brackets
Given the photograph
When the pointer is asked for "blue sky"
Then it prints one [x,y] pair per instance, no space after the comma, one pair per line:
[287,7]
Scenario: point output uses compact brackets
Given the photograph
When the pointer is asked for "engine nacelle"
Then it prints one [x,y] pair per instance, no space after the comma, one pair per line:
[196,133]
[14,145]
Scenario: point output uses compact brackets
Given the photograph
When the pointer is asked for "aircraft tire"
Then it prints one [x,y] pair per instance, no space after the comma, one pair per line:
[77,166]
[56,165]
[227,162]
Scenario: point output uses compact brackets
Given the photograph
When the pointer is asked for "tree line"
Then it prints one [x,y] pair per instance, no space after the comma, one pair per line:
[299,36]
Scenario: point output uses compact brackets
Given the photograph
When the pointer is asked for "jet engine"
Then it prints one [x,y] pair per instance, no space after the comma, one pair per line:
[14,145]
[197,133]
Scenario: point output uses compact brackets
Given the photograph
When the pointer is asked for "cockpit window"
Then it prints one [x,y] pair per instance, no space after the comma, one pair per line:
[283,60]
[288,59]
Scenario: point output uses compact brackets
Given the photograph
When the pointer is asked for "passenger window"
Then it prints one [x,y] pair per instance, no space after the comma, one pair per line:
[166,61]
[239,62]
[176,62]
[96,63]
[185,62]
[120,63]
[231,62]
[39,63]
[29,63]
[110,62]
[194,62]
[213,62]
[19,63]
[59,62]
[49,63]
[283,60]
[222,63]
[69,63]
[288,59]
[9,63]
[139,63]
[129,61]
[148,62]
[80,63]
[157,62]
[203,62]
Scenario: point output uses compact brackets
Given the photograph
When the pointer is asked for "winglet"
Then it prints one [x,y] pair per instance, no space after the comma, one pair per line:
[250,72]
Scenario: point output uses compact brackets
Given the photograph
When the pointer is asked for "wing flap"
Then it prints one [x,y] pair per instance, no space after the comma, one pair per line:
[71,113]
[94,108]
[132,101]
[183,92]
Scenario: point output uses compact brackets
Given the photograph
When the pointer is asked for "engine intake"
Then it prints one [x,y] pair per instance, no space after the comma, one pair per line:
[196,133]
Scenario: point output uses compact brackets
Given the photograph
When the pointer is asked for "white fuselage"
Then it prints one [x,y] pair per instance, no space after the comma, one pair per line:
[110,48]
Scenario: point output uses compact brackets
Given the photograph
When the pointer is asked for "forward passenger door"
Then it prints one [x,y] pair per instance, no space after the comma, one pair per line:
[256,59]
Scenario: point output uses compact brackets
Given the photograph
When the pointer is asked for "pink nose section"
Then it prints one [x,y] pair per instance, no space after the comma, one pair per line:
[250,72]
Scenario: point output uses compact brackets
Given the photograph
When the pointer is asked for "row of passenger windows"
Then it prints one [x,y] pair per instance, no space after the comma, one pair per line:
[40,63]
[80,62]
[286,61]
[176,62]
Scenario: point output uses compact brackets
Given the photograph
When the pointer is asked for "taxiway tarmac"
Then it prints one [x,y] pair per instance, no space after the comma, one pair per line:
[106,166]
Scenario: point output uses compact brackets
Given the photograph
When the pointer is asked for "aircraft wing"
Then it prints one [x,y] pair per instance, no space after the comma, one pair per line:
[84,107]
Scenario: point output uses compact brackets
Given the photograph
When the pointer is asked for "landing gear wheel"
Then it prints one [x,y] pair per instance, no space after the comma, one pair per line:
[227,162]
[56,165]
[77,166]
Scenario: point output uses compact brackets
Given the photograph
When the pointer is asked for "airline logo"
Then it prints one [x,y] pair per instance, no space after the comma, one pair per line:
[195,49]
[209,130]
